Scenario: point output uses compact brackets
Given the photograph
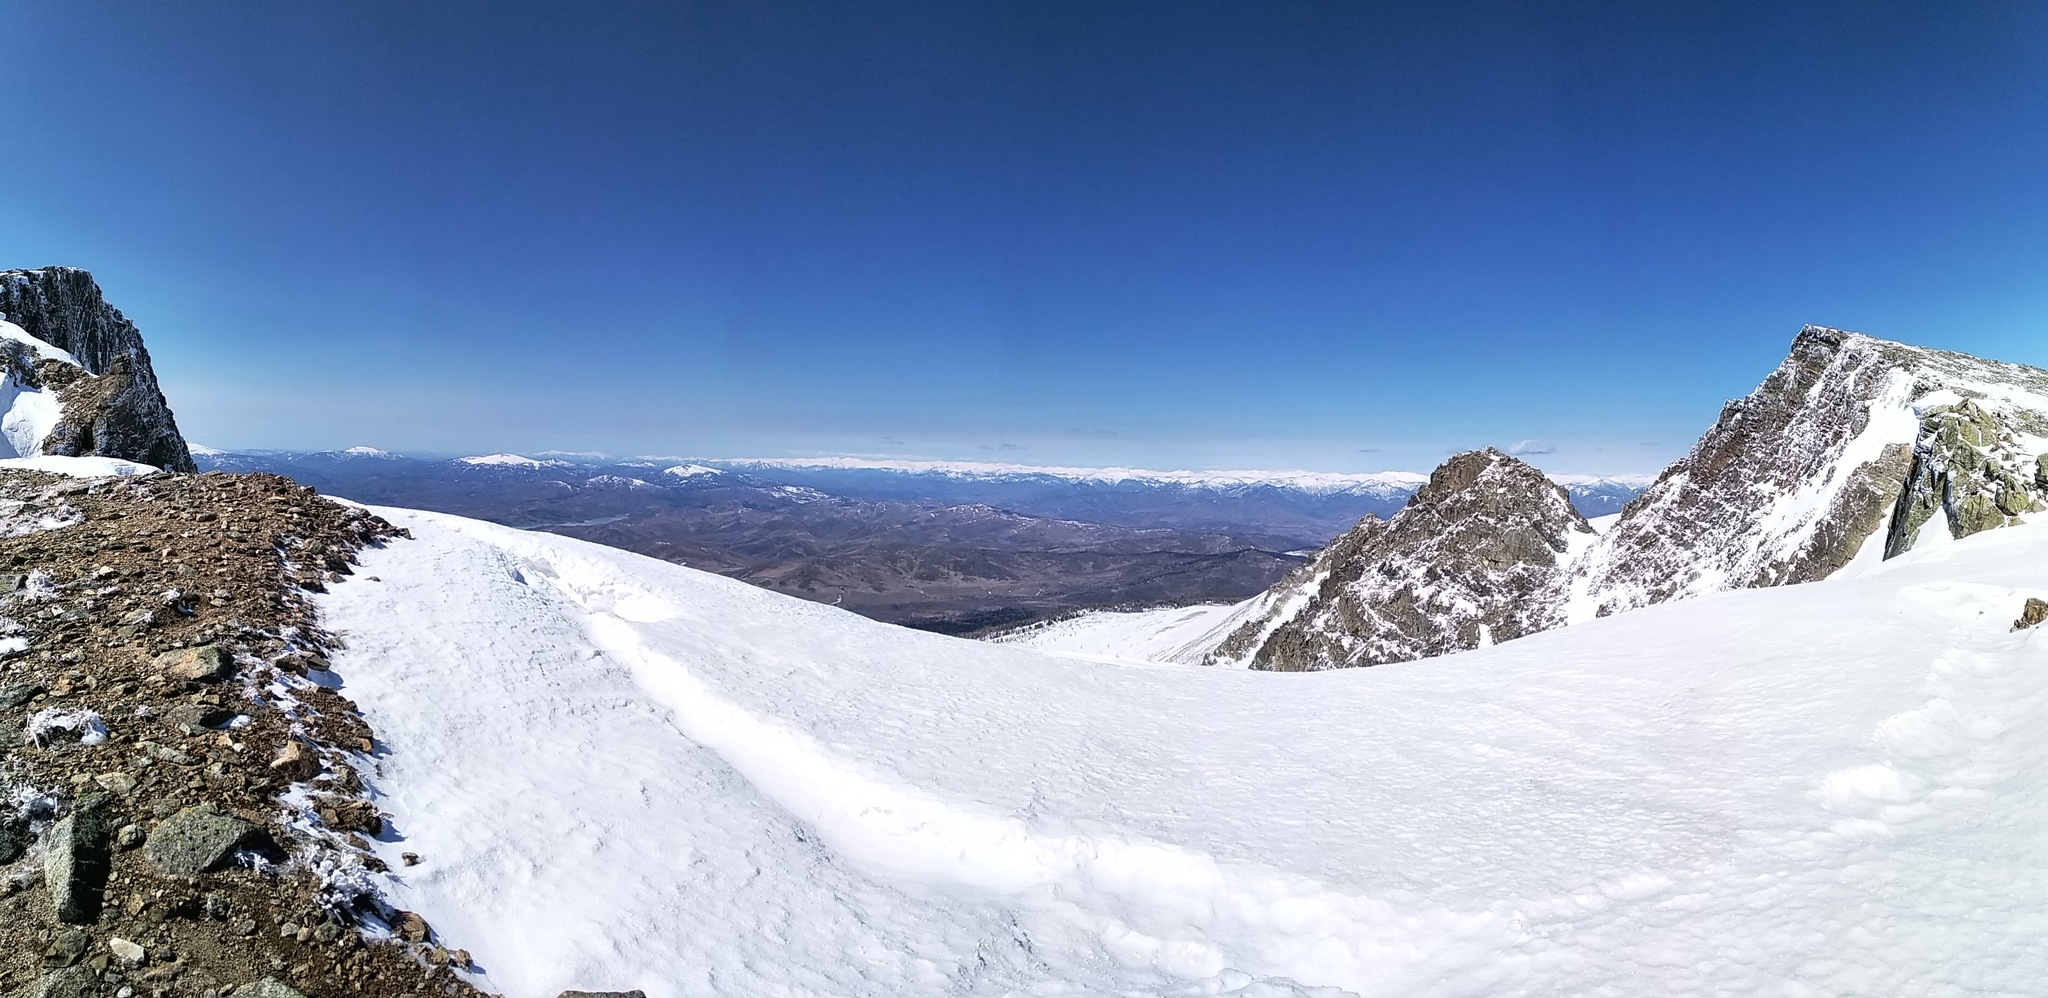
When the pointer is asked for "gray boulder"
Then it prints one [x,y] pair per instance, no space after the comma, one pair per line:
[205,664]
[197,840]
[77,863]
[71,982]
[269,987]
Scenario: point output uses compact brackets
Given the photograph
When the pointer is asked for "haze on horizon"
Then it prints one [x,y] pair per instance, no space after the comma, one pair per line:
[1322,236]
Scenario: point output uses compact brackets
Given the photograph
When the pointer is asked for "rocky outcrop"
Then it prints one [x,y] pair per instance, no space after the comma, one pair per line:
[1477,556]
[1796,479]
[109,403]
[1968,466]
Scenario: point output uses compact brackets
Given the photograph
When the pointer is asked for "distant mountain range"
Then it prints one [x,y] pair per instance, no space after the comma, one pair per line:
[956,547]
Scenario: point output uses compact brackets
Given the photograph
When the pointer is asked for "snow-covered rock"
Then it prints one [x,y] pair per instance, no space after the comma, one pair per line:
[1804,473]
[75,378]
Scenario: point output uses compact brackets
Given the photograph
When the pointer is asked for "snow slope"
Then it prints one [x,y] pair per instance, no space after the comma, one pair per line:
[622,773]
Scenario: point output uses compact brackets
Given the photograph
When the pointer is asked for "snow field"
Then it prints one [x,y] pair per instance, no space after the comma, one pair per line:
[627,774]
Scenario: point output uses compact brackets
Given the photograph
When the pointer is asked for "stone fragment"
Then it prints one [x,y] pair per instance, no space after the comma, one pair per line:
[75,867]
[2033,613]
[200,715]
[67,949]
[269,987]
[74,982]
[297,762]
[410,927]
[204,664]
[116,782]
[127,953]
[14,840]
[130,836]
[198,839]
[19,693]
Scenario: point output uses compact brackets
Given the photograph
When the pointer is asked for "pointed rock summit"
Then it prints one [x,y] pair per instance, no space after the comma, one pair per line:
[1477,556]
[75,376]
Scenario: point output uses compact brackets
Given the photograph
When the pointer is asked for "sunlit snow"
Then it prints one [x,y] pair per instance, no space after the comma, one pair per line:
[626,774]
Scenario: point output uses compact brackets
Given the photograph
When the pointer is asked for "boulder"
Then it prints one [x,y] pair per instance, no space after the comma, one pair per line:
[18,694]
[14,840]
[72,982]
[411,927]
[67,949]
[129,954]
[269,987]
[198,839]
[296,762]
[204,664]
[76,865]
[2033,613]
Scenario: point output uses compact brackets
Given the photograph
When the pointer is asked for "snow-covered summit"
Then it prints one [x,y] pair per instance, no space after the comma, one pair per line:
[371,452]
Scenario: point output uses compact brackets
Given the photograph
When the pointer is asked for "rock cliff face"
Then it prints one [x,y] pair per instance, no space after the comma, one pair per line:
[107,399]
[1853,448]
[1478,555]
[1804,473]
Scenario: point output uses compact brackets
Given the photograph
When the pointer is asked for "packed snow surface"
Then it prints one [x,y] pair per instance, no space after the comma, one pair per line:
[626,774]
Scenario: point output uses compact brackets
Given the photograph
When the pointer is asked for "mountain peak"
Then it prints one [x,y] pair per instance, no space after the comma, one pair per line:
[1464,564]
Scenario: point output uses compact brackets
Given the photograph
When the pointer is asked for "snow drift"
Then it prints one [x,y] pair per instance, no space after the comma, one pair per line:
[622,773]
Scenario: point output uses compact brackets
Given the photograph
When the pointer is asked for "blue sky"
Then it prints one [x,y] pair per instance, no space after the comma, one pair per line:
[1337,236]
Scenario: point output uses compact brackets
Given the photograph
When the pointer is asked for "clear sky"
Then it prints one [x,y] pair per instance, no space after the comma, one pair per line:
[1343,236]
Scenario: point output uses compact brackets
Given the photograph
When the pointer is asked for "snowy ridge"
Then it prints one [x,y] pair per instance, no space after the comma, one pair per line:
[510,461]
[1597,809]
